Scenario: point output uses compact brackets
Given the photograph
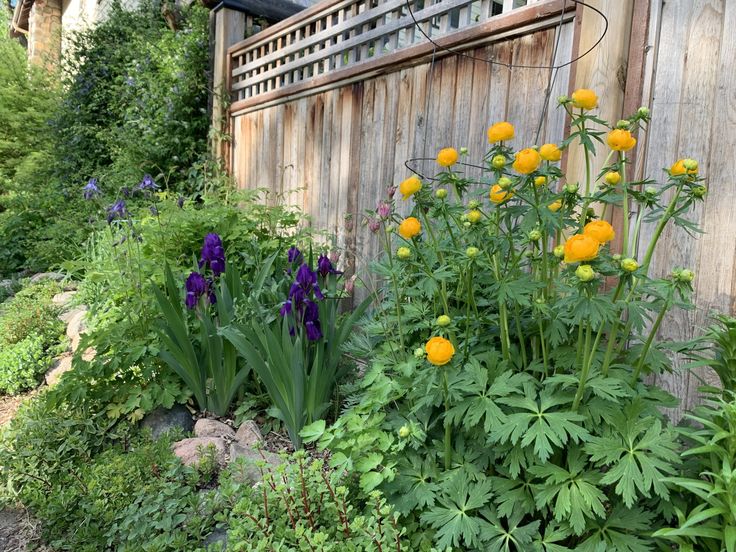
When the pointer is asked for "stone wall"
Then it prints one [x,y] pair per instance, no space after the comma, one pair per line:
[44,32]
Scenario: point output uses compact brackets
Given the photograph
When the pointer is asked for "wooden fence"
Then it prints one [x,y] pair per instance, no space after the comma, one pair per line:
[328,105]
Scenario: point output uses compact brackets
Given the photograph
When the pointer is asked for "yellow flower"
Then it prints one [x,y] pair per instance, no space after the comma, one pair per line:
[678,169]
[527,161]
[439,351]
[584,98]
[403,253]
[499,195]
[555,206]
[600,230]
[474,216]
[581,248]
[500,132]
[612,178]
[410,227]
[540,180]
[447,157]
[410,186]
[550,152]
[621,140]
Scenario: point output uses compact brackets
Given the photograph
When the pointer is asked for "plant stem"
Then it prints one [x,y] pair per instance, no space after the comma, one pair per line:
[625,207]
[650,339]
[544,346]
[448,427]
[396,285]
[586,366]
[660,227]
[520,332]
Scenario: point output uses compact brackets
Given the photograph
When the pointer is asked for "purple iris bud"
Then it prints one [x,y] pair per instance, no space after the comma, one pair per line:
[318,292]
[196,287]
[285,308]
[294,255]
[213,254]
[91,190]
[313,330]
[211,295]
[125,191]
[147,184]
[324,266]
[180,202]
[116,211]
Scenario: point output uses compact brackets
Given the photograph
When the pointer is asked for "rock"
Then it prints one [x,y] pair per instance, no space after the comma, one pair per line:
[191,450]
[75,324]
[216,540]
[67,316]
[56,276]
[163,420]
[248,434]
[63,299]
[60,367]
[205,427]
[252,456]
[89,354]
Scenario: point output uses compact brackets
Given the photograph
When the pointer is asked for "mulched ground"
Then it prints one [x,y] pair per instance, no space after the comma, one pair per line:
[9,405]
[19,532]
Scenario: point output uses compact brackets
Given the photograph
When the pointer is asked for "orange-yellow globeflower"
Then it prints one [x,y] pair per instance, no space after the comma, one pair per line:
[499,195]
[581,248]
[600,230]
[410,227]
[500,132]
[439,351]
[410,186]
[555,206]
[584,98]
[620,140]
[527,161]
[678,169]
[550,152]
[447,157]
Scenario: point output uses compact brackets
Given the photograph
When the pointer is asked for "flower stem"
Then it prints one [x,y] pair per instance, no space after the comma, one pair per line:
[448,427]
[625,206]
[660,227]
[397,295]
[650,339]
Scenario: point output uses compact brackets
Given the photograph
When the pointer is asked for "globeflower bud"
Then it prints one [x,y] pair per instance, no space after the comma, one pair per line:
[540,300]
[643,112]
[443,321]
[650,191]
[473,204]
[685,275]
[612,178]
[571,188]
[585,273]
[622,124]
[419,353]
[404,431]
[403,253]
[466,224]
[540,180]
[504,182]
[690,164]
[474,216]
[562,100]
[629,265]
[472,252]
[559,251]
[441,193]
[616,256]
[699,191]
[463,151]
[535,235]
[498,161]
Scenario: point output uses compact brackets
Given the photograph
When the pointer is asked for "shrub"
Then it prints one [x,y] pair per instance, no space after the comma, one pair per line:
[505,407]
[21,364]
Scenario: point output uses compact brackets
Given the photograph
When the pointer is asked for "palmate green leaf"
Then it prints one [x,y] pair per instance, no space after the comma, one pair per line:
[416,488]
[511,536]
[455,515]
[539,426]
[552,536]
[513,496]
[638,454]
[572,494]
[623,530]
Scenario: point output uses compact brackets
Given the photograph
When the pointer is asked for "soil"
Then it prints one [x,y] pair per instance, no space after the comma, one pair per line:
[9,405]
[19,532]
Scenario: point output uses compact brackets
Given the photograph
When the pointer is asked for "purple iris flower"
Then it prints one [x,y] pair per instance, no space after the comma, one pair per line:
[325,266]
[125,191]
[294,255]
[180,202]
[147,184]
[211,296]
[285,308]
[91,190]
[213,254]
[196,287]
[305,277]
[314,332]
[116,211]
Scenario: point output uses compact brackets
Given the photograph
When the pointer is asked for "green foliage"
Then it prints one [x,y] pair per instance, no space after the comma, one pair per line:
[707,516]
[30,336]
[718,351]
[301,506]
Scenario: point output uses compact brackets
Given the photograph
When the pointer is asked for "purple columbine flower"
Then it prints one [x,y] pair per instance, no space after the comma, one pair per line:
[213,254]
[374,225]
[383,210]
[147,184]
[180,202]
[196,287]
[116,211]
[294,255]
[390,191]
[91,190]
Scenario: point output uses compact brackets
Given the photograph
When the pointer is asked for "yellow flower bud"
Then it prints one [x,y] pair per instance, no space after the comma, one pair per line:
[441,193]
[555,206]
[403,253]
[443,320]
[629,265]
[447,157]
[439,351]
[612,178]
[504,182]
[498,161]
[600,230]
[535,235]
[410,186]
[404,432]
[678,169]
[559,251]
[499,195]
[550,152]
[585,273]
[473,204]
[540,180]
[474,216]
[472,252]
[691,165]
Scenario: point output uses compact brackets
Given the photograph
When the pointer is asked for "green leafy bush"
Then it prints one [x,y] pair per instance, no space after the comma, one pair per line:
[300,506]
[21,364]
[505,407]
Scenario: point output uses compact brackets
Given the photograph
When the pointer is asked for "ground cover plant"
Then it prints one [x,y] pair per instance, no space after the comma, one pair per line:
[505,406]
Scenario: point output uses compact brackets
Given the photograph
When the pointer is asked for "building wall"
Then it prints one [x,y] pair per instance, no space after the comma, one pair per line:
[44,32]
